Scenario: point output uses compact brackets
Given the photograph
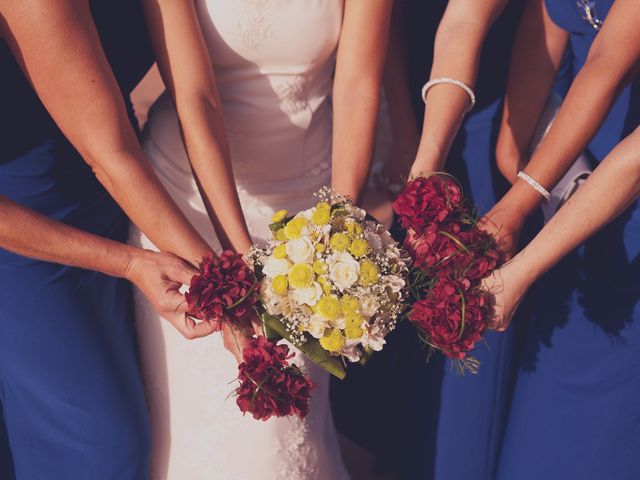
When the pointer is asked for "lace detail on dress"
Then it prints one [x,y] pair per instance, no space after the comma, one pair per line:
[293,92]
[298,459]
[256,25]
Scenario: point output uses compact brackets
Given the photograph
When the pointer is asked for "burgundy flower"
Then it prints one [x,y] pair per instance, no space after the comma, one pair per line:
[432,251]
[441,319]
[483,257]
[426,203]
[223,290]
[269,385]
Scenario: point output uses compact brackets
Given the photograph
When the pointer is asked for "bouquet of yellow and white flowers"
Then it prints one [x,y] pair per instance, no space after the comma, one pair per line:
[333,282]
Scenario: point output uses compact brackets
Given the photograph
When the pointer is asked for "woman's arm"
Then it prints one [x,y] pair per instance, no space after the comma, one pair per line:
[356,92]
[57,45]
[611,188]
[613,61]
[457,49]
[158,275]
[187,71]
[535,60]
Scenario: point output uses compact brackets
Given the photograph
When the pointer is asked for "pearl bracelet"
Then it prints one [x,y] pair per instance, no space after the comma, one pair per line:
[535,185]
[451,81]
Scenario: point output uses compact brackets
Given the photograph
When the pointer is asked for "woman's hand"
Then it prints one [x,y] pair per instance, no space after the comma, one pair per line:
[507,287]
[160,276]
[505,224]
[235,340]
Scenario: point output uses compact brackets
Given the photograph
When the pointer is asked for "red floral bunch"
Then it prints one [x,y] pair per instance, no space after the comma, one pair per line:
[451,256]
[427,203]
[452,317]
[224,290]
[269,384]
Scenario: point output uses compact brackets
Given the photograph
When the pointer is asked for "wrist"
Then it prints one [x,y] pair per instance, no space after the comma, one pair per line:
[429,159]
[133,257]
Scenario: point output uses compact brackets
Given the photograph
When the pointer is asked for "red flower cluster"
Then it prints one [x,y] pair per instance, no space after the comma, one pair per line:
[452,317]
[427,203]
[269,385]
[447,246]
[224,290]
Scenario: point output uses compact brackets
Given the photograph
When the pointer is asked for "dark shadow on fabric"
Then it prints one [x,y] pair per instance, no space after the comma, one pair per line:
[7,469]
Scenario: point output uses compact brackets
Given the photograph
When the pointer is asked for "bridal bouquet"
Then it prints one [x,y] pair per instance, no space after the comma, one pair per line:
[451,256]
[225,290]
[333,282]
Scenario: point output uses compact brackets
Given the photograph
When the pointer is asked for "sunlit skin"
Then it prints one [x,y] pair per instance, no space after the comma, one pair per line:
[611,188]
[356,92]
[535,60]
[57,46]
[457,49]
[612,63]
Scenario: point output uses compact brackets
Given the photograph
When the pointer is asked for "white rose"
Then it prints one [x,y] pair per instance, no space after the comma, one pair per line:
[300,250]
[344,270]
[308,295]
[276,266]
[317,325]
[369,305]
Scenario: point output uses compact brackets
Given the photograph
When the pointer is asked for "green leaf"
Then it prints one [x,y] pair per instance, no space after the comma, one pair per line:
[311,348]
[366,356]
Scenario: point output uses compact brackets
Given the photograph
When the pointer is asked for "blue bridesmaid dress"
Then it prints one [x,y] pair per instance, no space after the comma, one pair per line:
[437,424]
[71,398]
[576,410]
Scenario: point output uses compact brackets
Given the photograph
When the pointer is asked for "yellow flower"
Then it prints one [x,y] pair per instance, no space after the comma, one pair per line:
[353,326]
[326,286]
[320,267]
[349,304]
[354,229]
[359,248]
[333,342]
[353,319]
[369,273]
[323,206]
[280,284]
[280,236]
[353,333]
[293,229]
[280,251]
[301,275]
[279,216]
[321,216]
[340,242]
[320,248]
[329,307]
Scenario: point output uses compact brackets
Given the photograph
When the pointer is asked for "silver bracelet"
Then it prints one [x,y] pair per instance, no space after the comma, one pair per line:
[535,185]
[451,81]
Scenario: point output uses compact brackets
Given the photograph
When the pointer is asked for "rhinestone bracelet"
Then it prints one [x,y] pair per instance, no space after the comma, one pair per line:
[451,81]
[535,185]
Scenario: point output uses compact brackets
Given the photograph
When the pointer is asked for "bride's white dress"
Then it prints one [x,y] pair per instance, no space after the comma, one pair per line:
[273,61]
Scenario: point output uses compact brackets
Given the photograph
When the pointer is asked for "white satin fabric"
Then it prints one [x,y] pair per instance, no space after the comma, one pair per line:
[273,62]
